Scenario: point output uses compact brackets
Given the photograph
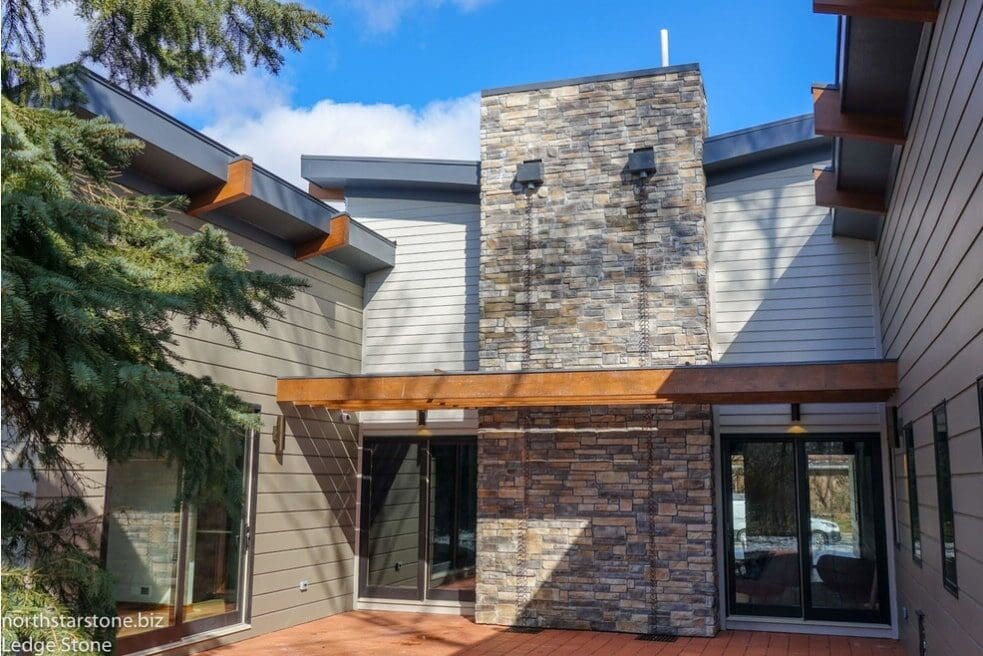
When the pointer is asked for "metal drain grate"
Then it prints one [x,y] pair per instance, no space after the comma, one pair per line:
[523,629]
[657,637]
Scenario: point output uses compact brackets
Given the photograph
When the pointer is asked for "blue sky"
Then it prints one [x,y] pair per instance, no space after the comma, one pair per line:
[758,58]
[400,78]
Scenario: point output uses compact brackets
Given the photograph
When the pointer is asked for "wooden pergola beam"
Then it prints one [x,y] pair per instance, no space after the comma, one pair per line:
[832,122]
[827,195]
[920,11]
[833,382]
[337,238]
[238,185]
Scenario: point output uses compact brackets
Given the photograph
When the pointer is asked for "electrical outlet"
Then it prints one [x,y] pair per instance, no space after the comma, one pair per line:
[304,585]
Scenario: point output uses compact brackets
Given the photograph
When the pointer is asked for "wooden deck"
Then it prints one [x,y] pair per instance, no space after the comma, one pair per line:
[415,634]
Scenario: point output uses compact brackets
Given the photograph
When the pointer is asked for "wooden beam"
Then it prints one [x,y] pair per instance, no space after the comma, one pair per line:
[835,382]
[332,193]
[920,11]
[831,122]
[827,195]
[238,185]
[337,238]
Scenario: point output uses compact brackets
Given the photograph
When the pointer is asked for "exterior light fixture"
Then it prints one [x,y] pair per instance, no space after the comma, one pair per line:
[280,435]
[421,418]
[796,412]
[529,174]
[641,162]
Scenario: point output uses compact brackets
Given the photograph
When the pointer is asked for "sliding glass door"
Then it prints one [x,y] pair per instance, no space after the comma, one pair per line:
[763,520]
[418,519]
[178,568]
[452,511]
[392,483]
[805,528]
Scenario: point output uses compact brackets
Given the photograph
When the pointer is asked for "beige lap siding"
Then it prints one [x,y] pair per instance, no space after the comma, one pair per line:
[304,527]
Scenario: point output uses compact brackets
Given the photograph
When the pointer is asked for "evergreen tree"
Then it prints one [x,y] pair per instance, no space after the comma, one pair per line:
[94,280]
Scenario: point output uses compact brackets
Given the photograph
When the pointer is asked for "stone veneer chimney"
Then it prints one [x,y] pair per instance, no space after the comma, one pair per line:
[595,517]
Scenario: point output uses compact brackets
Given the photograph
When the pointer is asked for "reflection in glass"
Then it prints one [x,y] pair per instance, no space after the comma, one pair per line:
[393,469]
[911,475]
[214,532]
[765,558]
[943,479]
[453,504]
[142,541]
[843,542]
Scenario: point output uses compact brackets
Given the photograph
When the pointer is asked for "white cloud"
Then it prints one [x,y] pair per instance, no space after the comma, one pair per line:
[225,95]
[252,114]
[384,16]
[277,137]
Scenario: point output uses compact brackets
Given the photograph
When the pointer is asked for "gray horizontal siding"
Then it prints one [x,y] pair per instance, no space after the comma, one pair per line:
[782,289]
[423,314]
[930,260]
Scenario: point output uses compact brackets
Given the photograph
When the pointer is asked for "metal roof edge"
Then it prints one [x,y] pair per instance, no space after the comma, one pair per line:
[755,142]
[589,79]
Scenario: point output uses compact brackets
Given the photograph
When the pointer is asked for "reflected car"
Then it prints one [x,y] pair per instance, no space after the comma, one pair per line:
[824,531]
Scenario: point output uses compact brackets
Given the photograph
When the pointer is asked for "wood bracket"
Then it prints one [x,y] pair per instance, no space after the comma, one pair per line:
[919,11]
[337,238]
[324,193]
[827,195]
[831,121]
[238,185]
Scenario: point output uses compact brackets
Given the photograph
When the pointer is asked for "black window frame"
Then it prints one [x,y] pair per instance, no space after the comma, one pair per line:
[911,473]
[979,398]
[943,480]
[894,428]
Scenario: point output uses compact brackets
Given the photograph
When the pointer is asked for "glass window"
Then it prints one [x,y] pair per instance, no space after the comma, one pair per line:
[764,544]
[392,474]
[909,458]
[144,526]
[453,513]
[943,477]
[178,568]
[845,526]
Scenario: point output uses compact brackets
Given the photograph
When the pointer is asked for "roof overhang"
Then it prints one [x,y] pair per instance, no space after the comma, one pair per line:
[330,174]
[824,382]
[743,148]
[182,160]
[881,45]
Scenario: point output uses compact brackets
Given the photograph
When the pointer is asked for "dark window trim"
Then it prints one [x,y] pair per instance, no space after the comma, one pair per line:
[911,474]
[943,481]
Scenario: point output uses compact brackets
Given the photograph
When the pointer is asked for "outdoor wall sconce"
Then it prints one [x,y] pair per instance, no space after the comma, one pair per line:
[796,412]
[641,162]
[894,425]
[280,435]
[421,418]
[529,174]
